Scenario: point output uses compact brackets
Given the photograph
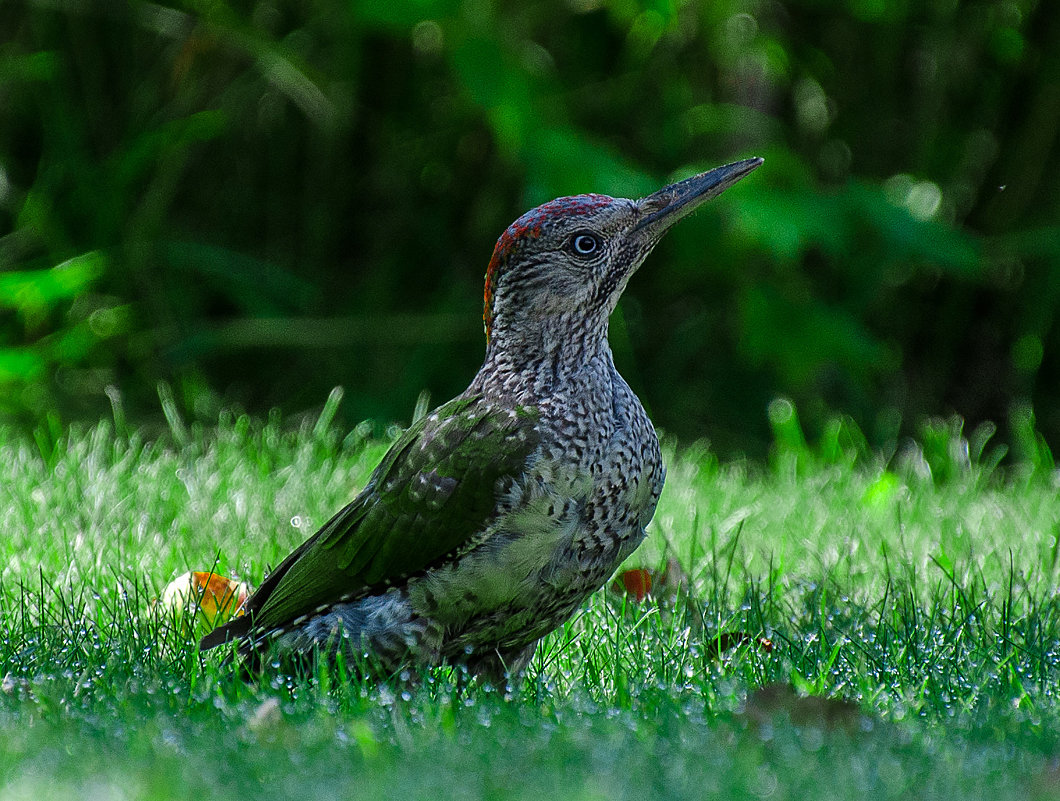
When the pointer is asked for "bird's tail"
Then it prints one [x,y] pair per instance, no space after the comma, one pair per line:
[237,629]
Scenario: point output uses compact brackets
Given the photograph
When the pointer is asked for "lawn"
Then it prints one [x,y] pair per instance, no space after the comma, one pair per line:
[909,599]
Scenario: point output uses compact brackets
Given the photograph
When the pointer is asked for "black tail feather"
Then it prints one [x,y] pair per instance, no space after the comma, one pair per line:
[234,630]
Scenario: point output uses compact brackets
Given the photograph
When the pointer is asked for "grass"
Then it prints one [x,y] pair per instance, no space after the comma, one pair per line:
[915,621]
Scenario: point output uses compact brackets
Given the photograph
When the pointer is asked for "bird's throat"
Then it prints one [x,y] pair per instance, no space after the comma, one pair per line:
[541,360]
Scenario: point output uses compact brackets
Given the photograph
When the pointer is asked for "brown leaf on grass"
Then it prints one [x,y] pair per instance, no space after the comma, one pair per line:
[727,640]
[674,580]
[767,704]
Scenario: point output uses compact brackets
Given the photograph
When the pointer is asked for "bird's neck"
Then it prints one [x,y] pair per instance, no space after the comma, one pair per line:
[528,365]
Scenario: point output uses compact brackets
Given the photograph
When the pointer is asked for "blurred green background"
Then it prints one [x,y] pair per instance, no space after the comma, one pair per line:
[256,201]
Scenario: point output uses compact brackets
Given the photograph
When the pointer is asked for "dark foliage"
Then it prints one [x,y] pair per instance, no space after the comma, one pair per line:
[258,201]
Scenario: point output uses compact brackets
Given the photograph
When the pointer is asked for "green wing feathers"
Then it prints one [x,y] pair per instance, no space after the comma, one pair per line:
[432,493]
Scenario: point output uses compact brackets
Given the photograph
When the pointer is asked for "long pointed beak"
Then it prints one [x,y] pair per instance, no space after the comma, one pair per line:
[665,207]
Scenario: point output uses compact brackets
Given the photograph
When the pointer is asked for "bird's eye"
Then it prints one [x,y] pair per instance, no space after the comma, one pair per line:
[585,244]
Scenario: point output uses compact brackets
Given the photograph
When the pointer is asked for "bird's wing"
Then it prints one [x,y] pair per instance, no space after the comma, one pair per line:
[431,494]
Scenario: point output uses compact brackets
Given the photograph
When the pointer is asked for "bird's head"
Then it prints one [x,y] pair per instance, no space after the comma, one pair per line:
[562,266]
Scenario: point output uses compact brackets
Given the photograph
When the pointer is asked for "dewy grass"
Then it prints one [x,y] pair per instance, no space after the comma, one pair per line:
[915,634]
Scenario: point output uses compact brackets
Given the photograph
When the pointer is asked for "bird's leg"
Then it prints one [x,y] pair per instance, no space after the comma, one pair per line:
[502,668]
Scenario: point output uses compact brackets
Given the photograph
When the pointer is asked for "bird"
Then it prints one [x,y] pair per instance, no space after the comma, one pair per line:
[490,521]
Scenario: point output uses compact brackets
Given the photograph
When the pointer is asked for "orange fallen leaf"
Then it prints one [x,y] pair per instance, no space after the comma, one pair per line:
[204,599]
[665,585]
[636,583]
